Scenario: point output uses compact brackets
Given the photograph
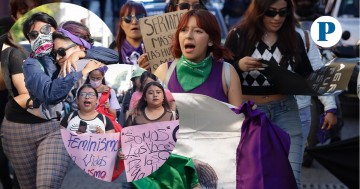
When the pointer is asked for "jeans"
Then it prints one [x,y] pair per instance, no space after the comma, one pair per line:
[285,114]
[305,118]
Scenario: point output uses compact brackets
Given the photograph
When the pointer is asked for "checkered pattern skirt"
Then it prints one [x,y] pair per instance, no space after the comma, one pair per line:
[37,153]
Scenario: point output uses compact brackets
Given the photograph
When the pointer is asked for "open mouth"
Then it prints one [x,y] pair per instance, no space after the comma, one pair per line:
[135,29]
[189,47]
[87,103]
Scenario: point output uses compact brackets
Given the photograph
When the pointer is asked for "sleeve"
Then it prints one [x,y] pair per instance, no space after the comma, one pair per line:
[109,125]
[102,54]
[64,121]
[133,101]
[126,101]
[329,102]
[313,52]
[169,96]
[16,61]
[38,81]
[113,101]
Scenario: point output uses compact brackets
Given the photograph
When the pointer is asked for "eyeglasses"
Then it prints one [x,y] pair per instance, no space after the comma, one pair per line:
[273,13]
[62,51]
[45,29]
[129,18]
[186,6]
[90,95]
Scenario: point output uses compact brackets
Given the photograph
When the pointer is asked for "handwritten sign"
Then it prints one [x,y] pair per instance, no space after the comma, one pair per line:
[93,153]
[330,79]
[146,147]
[157,32]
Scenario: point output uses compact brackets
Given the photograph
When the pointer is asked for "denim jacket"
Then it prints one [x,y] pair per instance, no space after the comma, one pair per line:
[43,83]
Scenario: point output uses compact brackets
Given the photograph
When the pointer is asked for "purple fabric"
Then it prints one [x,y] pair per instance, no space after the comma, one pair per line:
[323,134]
[129,54]
[212,87]
[74,38]
[262,154]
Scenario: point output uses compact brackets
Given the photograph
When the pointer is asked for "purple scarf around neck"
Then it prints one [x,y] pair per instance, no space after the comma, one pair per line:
[129,54]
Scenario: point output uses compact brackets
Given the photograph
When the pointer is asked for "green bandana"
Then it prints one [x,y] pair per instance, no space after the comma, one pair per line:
[191,75]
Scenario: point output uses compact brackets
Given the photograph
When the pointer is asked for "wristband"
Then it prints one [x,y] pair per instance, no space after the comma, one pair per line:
[334,111]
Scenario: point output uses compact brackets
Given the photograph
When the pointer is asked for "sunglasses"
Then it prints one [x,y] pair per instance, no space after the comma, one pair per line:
[129,18]
[90,95]
[186,6]
[62,51]
[45,29]
[273,13]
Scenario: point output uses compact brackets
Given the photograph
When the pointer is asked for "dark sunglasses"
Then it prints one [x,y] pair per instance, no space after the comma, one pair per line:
[62,51]
[45,29]
[129,18]
[186,6]
[273,13]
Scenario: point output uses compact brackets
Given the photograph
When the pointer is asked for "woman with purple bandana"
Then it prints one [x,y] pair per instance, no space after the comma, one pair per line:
[35,148]
[129,40]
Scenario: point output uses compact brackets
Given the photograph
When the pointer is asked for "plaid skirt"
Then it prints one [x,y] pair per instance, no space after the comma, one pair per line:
[37,153]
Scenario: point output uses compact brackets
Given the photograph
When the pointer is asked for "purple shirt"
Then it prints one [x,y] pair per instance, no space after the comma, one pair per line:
[212,87]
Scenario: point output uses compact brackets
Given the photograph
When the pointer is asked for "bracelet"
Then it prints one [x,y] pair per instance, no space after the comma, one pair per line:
[334,111]
[27,105]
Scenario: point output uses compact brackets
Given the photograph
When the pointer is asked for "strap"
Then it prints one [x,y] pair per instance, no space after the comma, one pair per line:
[70,117]
[307,42]
[5,60]
[174,115]
[104,96]
[170,71]
[226,68]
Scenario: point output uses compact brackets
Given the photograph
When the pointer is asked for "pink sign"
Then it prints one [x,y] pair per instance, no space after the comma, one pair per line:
[93,153]
[146,147]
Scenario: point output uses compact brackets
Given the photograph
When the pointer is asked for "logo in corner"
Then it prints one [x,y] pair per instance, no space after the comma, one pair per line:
[326,31]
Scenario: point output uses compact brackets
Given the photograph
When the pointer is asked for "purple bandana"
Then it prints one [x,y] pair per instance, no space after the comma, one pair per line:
[129,54]
[74,38]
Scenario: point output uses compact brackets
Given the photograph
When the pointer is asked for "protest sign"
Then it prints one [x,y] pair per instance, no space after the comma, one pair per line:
[146,147]
[93,153]
[157,32]
[331,79]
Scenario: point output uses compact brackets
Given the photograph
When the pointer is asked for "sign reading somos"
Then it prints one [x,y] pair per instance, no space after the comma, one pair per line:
[157,32]
[146,147]
[93,153]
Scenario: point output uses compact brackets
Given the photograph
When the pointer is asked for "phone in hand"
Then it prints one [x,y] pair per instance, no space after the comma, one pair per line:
[82,127]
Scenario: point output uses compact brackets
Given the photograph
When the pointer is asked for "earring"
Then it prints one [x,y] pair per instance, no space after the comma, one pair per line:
[210,43]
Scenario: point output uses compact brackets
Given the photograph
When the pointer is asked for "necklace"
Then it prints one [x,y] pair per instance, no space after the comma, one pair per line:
[269,42]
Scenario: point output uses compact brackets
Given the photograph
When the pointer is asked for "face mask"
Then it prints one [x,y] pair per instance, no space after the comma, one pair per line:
[42,45]
[95,84]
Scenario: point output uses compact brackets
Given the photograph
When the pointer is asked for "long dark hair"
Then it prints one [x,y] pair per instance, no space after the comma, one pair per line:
[208,22]
[144,76]
[125,10]
[142,103]
[253,27]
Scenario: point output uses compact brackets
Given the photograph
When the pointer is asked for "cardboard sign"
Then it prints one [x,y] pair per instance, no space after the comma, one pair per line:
[157,32]
[93,153]
[329,80]
[146,147]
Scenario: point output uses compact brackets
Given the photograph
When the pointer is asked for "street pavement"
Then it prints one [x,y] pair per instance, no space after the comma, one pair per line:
[315,177]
